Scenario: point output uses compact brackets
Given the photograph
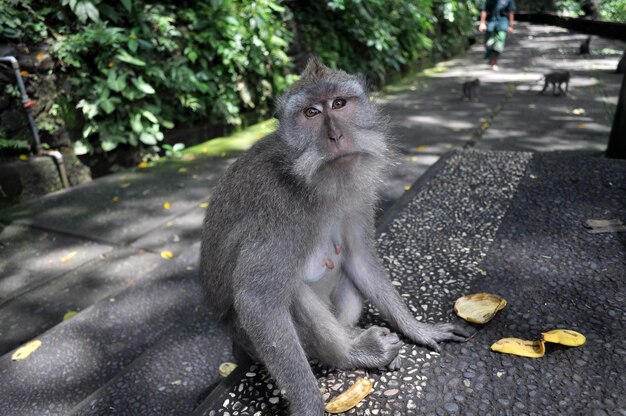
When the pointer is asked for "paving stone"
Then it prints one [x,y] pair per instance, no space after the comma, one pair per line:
[80,355]
[31,257]
[32,313]
[123,207]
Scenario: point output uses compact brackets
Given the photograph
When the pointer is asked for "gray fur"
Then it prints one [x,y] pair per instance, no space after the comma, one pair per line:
[471,89]
[287,246]
[556,79]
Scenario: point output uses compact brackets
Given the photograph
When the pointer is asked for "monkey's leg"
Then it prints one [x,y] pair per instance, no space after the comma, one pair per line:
[270,328]
[370,278]
[545,86]
[347,302]
[341,346]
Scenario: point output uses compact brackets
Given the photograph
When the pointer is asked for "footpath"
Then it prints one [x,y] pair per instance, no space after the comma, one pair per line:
[490,195]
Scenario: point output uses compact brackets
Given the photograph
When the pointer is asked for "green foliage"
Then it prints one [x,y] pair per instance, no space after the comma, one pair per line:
[18,20]
[142,68]
[134,68]
[613,10]
[377,36]
[12,144]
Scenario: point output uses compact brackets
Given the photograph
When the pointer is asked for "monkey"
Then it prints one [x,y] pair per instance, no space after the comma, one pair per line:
[471,89]
[287,246]
[556,78]
[585,47]
[621,65]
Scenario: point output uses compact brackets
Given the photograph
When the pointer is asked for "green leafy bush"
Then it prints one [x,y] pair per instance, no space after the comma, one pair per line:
[140,69]
[132,69]
[613,10]
[379,36]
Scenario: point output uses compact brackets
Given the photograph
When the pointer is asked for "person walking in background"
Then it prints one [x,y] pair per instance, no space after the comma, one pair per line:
[497,18]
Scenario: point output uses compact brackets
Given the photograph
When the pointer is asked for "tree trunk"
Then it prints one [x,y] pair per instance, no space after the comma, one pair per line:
[617,140]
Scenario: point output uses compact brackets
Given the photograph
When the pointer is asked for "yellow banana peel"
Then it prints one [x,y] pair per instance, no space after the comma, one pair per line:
[521,347]
[564,337]
[479,308]
[351,397]
[226,368]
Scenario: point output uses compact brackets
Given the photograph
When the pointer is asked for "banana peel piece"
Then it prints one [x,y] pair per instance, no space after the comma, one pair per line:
[521,347]
[479,308]
[226,368]
[351,397]
[565,337]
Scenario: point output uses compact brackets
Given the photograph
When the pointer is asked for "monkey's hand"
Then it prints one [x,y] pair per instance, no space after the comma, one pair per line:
[482,27]
[429,335]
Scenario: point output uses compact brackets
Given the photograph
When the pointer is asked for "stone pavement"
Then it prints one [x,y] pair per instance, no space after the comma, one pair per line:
[137,345]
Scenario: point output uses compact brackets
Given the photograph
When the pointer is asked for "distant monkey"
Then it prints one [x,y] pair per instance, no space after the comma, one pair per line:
[288,253]
[556,79]
[471,89]
[621,65]
[585,47]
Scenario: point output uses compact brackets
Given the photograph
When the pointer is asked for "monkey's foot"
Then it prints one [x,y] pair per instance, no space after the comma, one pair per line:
[376,347]
[431,335]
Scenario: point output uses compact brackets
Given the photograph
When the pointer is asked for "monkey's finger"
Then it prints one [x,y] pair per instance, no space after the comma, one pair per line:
[453,329]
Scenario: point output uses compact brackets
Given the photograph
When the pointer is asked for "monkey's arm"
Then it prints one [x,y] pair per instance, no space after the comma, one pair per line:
[271,330]
[371,279]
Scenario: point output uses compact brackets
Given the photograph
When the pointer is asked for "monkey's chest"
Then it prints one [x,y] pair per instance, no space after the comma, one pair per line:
[325,257]
[323,261]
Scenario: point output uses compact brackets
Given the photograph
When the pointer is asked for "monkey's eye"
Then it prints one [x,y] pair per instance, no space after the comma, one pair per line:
[338,103]
[311,112]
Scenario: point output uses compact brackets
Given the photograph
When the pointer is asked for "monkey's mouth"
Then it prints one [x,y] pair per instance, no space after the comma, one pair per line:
[345,160]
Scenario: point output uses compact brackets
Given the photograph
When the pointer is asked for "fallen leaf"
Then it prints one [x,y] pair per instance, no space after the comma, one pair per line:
[69,315]
[68,257]
[582,126]
[167,205]
[169,224]
[176,383]
[223,154]
[23,157]
[24,73]
[25,350]
[478,308]
[166,254]
[115,199]
[419,148]
[182,170]
[482,272]
[532,106]
[124,185]
[142,165]
[578,111]
[407,187]
[204,204]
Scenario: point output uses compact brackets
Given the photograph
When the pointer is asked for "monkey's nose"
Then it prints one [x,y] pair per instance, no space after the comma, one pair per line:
[335,137]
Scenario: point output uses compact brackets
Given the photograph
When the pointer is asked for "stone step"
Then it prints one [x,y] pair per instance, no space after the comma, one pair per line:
[171,378]
[42,307]
[80,355]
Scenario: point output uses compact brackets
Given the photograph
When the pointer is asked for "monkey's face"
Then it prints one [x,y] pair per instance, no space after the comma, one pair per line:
[333,129]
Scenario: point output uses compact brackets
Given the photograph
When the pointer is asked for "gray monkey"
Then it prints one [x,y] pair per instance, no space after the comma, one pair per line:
[556,79]
[287,251]
[471,89]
